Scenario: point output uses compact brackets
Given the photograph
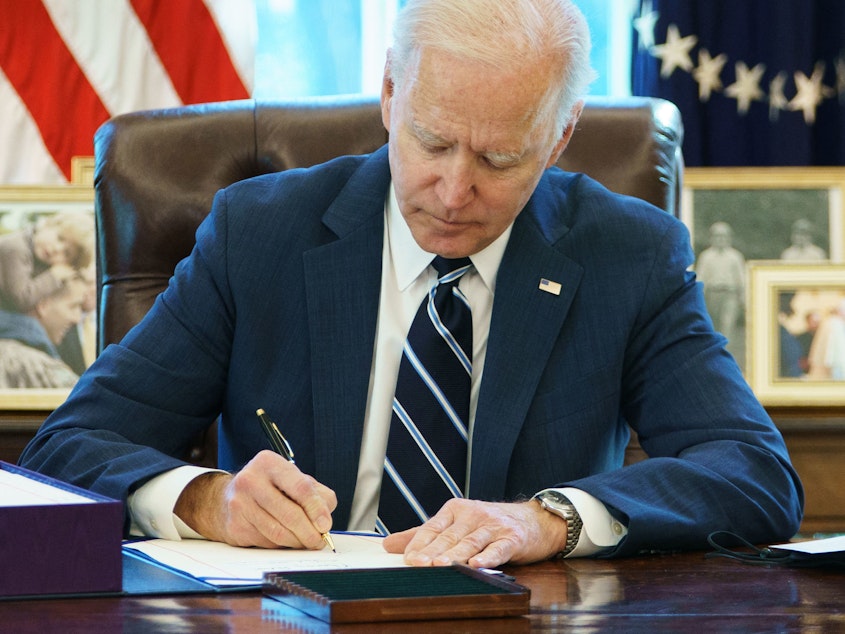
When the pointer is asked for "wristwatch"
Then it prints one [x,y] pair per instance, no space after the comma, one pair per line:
[557,503]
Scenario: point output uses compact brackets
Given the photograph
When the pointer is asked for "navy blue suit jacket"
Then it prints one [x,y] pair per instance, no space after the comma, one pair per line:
[277,305]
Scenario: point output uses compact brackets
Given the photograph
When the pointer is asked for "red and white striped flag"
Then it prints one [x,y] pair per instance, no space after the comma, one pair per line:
[66,66]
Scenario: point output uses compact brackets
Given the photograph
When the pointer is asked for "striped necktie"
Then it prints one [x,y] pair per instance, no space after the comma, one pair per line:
[426,457]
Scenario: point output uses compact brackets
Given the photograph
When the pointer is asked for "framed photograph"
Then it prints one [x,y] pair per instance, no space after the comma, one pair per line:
[739,214]
[47,293]
[796,326]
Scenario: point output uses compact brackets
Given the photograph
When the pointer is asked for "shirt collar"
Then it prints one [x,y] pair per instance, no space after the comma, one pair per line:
[410,260]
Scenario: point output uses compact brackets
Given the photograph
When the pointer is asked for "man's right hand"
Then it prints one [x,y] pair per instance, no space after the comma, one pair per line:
[269,503]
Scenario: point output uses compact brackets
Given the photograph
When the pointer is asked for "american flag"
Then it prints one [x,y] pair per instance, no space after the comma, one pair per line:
[66,66]
[757,82]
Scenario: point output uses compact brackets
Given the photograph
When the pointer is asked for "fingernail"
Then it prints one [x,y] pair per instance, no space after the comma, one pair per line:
[418,559]
[323,524]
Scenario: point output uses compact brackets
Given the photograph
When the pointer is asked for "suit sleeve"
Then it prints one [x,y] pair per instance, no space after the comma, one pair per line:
[716,460]
[134,412]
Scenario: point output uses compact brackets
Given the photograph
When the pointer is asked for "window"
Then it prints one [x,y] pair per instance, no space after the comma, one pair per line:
[329,47]
[321,47]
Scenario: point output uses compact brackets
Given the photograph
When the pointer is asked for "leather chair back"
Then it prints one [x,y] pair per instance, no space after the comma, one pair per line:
[157,171]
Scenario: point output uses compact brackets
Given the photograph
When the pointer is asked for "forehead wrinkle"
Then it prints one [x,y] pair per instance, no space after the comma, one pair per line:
[437,105]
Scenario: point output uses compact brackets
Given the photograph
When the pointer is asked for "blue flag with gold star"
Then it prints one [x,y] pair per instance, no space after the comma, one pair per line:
[758,82]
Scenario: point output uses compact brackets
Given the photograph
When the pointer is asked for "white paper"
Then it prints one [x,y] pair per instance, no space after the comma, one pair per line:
[19,490]
[816,546]
[222,565]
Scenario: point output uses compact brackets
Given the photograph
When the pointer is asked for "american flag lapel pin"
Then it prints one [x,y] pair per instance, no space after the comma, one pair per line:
[549,286]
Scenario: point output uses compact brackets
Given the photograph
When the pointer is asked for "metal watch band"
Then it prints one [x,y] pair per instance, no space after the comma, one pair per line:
[557,503]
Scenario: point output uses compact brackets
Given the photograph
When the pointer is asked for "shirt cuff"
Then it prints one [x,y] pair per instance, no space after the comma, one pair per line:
[600,530]
[151,505]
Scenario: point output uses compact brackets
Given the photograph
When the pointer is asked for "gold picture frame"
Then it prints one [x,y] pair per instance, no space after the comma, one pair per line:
[796,325]
[760,210]
[82,170]
[766,201]
[19,206]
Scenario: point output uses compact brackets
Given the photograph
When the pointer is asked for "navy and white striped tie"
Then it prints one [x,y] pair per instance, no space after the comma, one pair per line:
[426,457]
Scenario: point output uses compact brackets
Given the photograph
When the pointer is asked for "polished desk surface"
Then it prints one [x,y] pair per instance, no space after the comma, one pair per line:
[656,593]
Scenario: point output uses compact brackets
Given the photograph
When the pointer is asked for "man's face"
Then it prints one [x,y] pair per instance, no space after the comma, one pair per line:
[467,148]
[720,238]
[62,311]
[801,238]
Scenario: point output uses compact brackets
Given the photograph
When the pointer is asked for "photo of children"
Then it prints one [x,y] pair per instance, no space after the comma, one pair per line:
[47,297]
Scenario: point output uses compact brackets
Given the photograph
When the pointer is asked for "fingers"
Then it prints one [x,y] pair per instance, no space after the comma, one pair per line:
[447,537]
[398,542]
[271,503]
[481,534]
[312,501]
[455,534]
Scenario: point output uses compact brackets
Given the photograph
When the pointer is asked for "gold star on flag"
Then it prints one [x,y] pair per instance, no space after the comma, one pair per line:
[707,73]
[777,97]
[644,25]
[674,53]
[746,88]
[810,93]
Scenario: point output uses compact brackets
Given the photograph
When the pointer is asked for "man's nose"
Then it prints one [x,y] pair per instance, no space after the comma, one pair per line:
[456,187]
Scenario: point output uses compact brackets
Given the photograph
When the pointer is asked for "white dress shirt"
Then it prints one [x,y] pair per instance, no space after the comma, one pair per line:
[406,279]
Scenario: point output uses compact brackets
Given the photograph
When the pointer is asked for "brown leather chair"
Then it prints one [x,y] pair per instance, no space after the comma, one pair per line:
[157,171]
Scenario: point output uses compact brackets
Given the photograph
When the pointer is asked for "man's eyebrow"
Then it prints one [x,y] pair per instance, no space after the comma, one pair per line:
[428,137]
[425,135]
[504,158]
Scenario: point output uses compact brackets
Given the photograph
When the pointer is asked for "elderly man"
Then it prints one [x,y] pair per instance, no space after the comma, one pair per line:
[496,432]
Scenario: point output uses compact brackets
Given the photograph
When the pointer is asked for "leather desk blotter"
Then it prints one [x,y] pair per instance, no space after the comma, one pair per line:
[49,547]
[398,594]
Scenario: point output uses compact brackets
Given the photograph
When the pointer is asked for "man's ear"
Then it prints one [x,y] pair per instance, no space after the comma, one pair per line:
[387,90]
[568,131]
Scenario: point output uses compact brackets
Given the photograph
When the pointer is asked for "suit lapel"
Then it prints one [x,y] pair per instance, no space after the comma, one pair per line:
[525,323]
[343,280]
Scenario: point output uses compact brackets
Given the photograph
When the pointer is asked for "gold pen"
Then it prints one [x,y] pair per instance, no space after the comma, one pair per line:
[282,447]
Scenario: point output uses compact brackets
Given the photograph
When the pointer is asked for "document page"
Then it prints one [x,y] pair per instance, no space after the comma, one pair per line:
[223,565]
[19,490]
[816,546]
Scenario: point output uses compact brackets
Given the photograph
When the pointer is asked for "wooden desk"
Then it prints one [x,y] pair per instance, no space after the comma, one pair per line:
[678,593]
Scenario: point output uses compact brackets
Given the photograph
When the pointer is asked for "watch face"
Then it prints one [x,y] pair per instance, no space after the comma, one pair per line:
[556,497]
[557,503]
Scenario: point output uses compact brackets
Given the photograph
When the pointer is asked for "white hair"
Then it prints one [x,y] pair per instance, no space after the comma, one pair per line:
[501,34]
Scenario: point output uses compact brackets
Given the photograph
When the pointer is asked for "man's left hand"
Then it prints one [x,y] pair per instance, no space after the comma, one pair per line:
[482,535]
